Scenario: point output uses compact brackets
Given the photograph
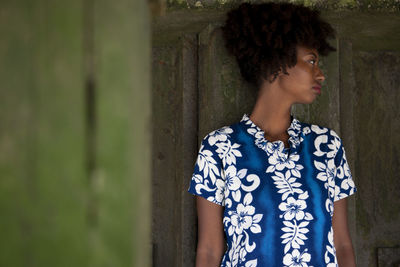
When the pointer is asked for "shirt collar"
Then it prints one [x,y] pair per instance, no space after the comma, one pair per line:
[294,131]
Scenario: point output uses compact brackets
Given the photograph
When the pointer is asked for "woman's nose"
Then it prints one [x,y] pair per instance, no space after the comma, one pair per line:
[320,75]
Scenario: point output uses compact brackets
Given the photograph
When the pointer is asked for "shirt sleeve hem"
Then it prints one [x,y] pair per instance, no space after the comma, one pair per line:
[203,196]
[345,195]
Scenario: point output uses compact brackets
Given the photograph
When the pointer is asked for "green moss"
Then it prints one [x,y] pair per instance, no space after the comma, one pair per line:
[365,5]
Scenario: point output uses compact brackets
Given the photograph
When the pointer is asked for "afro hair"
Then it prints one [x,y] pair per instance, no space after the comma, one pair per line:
[263,37]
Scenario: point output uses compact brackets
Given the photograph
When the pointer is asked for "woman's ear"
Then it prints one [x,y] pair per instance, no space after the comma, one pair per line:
[275,75]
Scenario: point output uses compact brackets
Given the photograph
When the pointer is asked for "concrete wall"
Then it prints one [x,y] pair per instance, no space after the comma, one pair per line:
[197,88]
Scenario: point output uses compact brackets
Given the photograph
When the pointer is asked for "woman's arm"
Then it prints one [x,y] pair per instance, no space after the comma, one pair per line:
[211,242]
[341,236]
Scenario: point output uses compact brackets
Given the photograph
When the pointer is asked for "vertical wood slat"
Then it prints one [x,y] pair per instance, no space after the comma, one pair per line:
[347,100]
[376,131]
[175,136]
[167,96]
[188,144]
[42,93]
[16,181]
[223,95]
[122,178]
[142,134]
[59,134]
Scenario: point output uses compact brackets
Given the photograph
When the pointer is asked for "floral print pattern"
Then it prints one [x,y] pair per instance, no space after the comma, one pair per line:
[278,202]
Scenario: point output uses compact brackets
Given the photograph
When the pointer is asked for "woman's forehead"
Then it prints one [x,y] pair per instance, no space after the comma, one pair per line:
[303,50]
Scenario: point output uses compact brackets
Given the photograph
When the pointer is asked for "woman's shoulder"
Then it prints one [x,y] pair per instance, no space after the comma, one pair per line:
[319,131]
[222,134]
[219,136]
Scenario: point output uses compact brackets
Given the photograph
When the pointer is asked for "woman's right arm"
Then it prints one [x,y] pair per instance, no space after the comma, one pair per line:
[211,242]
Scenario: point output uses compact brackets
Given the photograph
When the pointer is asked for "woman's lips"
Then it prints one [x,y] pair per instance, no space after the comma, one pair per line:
[317,89]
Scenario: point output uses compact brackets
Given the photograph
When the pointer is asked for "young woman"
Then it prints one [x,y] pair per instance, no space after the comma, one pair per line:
[271,188]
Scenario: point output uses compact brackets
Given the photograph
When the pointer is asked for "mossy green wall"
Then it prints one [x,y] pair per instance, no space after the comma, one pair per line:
[74,133]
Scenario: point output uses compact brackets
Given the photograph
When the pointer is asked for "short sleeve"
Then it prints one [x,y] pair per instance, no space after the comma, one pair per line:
[207,179]
[344,184]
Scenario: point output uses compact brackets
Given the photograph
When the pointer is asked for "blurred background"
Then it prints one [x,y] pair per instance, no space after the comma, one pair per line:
[103,105]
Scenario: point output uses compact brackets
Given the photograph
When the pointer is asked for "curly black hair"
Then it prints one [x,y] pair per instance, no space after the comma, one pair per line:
[263,37]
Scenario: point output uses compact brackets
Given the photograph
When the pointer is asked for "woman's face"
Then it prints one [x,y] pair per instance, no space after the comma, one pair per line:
[303,84]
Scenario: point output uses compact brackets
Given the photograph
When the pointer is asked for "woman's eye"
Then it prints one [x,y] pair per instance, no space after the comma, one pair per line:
[312,61]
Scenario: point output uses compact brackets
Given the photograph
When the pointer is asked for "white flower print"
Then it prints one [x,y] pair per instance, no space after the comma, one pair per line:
[293,208]
[231,179]
[318,142]
[244,218]
[197,178]
[279,161]
[220,135]
[318,130]
[239,250]
[296,170]
[294,235]
[231,170]
[325,173]
[330,251]
[220,193]
[286,184]
[297,259]
[295,126]
[252,263]
[253,179]
[343,170]
[275,146]
[329,206]
[203,186]
[347,184]
[346,167]
[234,251]
[207,164]
[295,140]
[228,152]
[306,130]
[333,147]
[233,182]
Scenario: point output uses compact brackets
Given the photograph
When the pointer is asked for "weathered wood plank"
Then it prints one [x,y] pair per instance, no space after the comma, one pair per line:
[42,137]
[166,125]
[347,130]
[59,218]
[377,134]
[223,95]
[122,176]
[17,186]
[188,144]
[43,192]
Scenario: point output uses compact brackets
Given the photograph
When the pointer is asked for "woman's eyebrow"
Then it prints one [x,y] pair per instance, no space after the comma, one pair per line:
[312,53]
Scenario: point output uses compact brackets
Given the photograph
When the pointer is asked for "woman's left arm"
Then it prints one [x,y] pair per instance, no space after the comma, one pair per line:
[341,235]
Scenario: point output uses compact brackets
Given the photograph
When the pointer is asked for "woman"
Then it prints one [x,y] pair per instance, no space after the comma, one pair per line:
[272,188]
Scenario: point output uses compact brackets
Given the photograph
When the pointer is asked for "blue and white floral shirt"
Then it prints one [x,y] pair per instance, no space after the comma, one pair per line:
[278,202]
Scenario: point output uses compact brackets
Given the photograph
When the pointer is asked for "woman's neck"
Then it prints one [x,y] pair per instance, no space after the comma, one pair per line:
[271,113]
